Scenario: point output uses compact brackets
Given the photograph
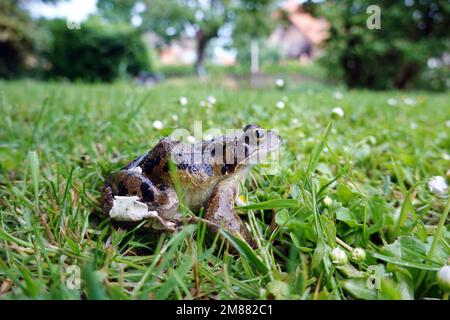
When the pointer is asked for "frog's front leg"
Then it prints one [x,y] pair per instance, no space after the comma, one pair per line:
[220,210]
[137,198]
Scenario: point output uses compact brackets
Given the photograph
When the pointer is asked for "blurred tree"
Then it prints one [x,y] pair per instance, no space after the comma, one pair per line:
[98,51]
[394,56]
[200,18]
[251,24]
[21,42]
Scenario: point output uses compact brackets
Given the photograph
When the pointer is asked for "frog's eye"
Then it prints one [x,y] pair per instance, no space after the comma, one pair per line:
[259,134]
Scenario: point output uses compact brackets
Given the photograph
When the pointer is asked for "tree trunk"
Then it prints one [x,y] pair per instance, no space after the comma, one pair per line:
[199,62]
[202,42]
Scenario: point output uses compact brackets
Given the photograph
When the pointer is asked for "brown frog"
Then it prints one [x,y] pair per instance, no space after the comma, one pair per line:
[208,173]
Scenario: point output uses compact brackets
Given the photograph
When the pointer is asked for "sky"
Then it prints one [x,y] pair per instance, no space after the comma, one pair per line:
[74,10]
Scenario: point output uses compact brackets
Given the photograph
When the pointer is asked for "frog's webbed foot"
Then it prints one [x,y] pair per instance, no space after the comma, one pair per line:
[220,211]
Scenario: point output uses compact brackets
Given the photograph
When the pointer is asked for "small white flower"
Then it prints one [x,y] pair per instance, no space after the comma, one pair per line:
[447,123]
[174,117]
[372,140]
[358,254]
[337,112]
[211,100]
[202,104]
[392,102]
[338,95]
[280,105]
[191,139]
[294,122]
[280,83]
[413,125]
[183,101]
[327,201]
[409,101]
[338,256]
[158,125]
[438,186]
[443,278]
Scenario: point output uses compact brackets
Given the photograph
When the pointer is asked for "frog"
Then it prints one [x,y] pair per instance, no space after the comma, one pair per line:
[208,173]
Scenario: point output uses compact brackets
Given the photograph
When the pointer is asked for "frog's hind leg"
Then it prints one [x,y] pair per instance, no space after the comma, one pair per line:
[128,183]
[220,211]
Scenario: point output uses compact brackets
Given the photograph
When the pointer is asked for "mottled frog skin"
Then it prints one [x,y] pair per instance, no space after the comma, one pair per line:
[209,175]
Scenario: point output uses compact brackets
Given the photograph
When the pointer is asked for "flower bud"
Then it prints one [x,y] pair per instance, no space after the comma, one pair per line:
[443,278]
[337,112]
[280,83]
[438,186]
[338,256]
[327,201]
[358,254]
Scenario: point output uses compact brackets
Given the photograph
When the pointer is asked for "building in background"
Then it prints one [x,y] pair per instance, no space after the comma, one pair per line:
[301,35]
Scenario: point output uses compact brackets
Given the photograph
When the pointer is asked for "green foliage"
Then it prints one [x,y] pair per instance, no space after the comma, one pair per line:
[97,51]
[394,56]
[371,164]
[203,19]
[18,39]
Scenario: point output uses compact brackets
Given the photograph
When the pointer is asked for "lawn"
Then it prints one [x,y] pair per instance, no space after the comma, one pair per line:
[357,181]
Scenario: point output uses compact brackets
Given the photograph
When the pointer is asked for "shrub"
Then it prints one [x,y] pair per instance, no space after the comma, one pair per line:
[394,56]
[17,39]
[96,51]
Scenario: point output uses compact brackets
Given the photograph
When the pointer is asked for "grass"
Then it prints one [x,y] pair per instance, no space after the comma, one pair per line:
[59,141]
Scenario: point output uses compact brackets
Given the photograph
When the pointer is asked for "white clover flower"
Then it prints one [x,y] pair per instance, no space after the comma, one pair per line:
[280,105]
[409,101]
[447,123]
[183,101]
[191,139]
[158,125]
[338,256]
[413,126]
[337,112]
[211,100]
[327,201]
[202,104]
[294,122]
[372,140]
[358,254]
[438,186]
[338,95]
[174,117]
[443,278]
[446,156]
[280,83]
[392,102]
